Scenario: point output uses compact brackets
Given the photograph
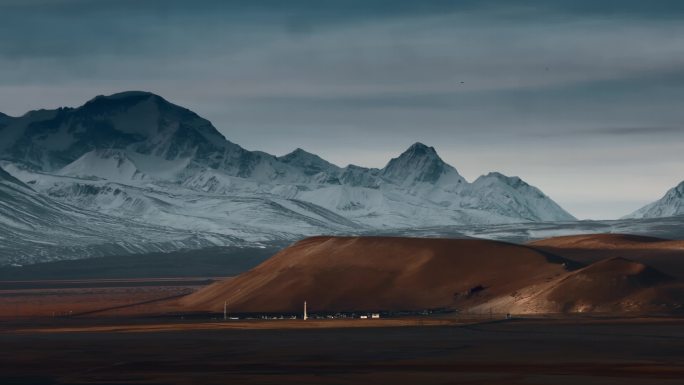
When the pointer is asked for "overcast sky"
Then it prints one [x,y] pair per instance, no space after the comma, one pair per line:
[581,98]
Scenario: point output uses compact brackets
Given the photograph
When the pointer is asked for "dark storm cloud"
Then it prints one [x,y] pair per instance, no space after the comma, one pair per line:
[82,27]
[496,85]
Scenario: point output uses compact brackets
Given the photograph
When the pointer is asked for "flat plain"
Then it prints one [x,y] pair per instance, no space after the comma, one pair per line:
[519,351]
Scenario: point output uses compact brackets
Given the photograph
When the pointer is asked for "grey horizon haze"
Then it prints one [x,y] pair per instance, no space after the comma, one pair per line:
[582,99]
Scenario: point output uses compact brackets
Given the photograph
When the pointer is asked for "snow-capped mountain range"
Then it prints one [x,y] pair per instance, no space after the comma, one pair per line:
[135,158]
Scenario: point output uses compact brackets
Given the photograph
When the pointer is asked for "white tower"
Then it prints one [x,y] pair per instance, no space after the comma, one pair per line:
[305,315]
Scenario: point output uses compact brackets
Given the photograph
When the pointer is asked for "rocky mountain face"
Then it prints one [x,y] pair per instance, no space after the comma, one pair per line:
[137,157]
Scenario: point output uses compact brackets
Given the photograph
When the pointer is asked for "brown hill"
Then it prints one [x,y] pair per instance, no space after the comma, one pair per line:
[381,273]
[614,285]
[662,254]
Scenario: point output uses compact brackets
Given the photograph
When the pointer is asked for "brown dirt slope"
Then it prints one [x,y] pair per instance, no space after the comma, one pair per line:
[381,273]
[662,254]
[614,285]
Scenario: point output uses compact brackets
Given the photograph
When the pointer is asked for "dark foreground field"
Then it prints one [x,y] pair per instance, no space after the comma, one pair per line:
[575,351]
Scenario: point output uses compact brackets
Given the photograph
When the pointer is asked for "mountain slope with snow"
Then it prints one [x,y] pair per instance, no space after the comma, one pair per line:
[36,228]
[420,164]
[670,205]
[511,196]
[113,165]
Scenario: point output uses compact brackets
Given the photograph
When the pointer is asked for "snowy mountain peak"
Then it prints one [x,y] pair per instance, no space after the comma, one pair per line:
[419,147]
[300,153]
[310,163]
[512,197]
[420,164]
[144,113]
[120,102]
[128,94]
[357,176]
[136,121]
[672,204]
[420,151]
[129,98]
[512,181]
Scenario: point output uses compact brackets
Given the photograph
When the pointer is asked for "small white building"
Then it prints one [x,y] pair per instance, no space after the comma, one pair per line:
[364,317]
[375,315]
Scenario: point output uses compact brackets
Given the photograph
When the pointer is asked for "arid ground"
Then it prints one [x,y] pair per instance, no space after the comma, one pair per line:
[91,297]
[531,351]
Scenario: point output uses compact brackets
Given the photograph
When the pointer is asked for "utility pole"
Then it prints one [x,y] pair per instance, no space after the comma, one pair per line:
[305,315]
[225,310]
